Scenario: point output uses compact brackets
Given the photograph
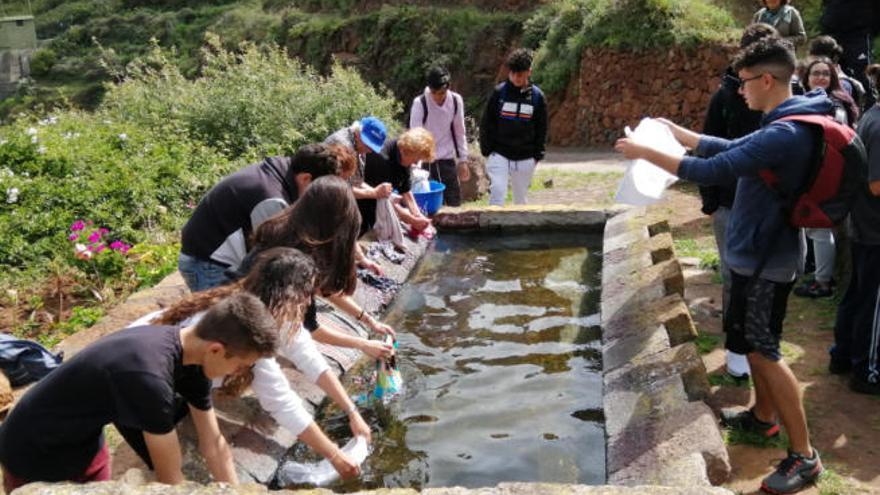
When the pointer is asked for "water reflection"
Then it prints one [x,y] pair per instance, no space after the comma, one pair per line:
[500,351]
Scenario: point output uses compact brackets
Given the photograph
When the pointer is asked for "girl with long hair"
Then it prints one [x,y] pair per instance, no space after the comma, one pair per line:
[324,223]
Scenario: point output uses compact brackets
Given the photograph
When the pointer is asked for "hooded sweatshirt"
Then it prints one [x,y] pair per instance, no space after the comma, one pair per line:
[757,222]
[514,124]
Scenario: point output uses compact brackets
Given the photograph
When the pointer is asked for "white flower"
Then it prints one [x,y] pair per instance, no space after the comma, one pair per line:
[41,150]
[52,120]
[3,141]
[31,131]
[80,251]
[7,172]
[12,195]
[34,139]
[123,136]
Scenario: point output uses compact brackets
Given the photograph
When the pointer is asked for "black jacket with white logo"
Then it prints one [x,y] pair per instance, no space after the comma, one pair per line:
[514,124]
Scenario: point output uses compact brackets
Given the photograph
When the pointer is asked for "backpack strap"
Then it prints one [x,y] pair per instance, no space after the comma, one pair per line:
[452,124]
[424,102]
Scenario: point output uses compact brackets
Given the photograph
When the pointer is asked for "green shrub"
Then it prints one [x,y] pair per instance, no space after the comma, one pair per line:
[42,62]
[250,103]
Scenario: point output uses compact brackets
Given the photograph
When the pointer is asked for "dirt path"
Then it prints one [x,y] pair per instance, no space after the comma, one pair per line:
[845,426]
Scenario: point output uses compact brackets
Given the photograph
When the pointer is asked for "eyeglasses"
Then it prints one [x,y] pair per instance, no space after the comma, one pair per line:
[742,82]
[820,73]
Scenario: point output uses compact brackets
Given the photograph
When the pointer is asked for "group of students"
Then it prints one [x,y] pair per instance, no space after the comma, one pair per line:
[750,133]
[258,248]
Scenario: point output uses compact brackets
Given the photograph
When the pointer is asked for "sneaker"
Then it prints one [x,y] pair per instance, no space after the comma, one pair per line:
[793,473]
[863,386]
[813,290]
[746,421]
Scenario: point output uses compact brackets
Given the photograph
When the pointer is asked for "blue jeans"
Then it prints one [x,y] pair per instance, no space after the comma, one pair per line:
[199,274]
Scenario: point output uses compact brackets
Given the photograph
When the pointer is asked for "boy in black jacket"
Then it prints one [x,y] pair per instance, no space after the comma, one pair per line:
[513,131]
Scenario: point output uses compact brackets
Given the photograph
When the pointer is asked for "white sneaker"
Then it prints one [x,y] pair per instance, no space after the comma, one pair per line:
[737,365]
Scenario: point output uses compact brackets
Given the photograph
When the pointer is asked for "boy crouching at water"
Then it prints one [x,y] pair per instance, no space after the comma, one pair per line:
[142,380]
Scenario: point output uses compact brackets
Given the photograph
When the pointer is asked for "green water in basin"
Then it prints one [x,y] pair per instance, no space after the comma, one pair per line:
[499,348]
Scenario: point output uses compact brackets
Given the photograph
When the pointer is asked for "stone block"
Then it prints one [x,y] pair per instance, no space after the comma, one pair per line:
[653,282]
[620,352]
[625,407]
[543,217]
[642,373]
[645,449]
[669,311]
[456,219]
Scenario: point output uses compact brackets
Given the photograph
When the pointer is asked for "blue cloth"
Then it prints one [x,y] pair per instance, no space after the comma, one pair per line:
[199,274]
[786,149]
[23,361]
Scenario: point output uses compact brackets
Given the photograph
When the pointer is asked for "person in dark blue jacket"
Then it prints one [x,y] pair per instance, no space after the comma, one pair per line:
[513,131]
[729,117]
[758,233]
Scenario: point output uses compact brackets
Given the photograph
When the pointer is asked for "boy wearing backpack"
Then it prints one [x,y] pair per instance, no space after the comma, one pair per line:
[763,248]
[513,131]
[441,111]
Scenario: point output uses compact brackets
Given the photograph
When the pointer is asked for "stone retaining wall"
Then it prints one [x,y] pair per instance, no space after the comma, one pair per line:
[659,430]
[616,88]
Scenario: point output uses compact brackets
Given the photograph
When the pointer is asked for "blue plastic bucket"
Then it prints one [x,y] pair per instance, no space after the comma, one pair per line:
[431,201]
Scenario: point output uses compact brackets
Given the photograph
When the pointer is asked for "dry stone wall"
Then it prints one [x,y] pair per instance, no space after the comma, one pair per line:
[615,88]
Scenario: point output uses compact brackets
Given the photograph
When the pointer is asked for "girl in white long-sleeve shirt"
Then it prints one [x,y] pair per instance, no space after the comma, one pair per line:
[284,279]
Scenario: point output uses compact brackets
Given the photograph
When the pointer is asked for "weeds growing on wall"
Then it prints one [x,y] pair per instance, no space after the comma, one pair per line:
[562,30]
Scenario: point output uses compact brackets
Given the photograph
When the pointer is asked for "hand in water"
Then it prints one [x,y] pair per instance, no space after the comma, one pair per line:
[421,223]
[346,468]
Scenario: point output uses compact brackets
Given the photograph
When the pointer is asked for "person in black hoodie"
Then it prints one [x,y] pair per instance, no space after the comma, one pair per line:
[853,23]
[513,131]
[729,117]
[215,237]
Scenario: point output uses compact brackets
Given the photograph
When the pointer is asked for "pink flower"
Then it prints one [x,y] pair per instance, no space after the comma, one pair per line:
[104,231]
[77,225]
[73,237]
[100,247]
[95,236]
[119,246]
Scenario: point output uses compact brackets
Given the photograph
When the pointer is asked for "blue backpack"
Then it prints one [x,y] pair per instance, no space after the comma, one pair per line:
[23,361]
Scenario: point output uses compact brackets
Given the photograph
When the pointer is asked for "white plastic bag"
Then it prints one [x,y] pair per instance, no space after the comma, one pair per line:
[420,180]
[644,183]
[321,473]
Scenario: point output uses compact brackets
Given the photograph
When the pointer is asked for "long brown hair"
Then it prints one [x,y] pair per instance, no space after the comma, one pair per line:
[282,278]
[323,223]
[835,91]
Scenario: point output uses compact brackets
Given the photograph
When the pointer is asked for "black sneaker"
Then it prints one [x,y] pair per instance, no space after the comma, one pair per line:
[793,473]
[814,290]
[746,421]
[863,386]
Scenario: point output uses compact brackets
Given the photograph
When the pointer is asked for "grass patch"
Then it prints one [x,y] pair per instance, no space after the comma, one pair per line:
[832,483]
[739,437]
[724,380]
[564,180]
[704,249]
[792,353]
[707,343]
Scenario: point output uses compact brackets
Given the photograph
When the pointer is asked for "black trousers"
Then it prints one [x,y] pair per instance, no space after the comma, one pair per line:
[857,329]
[444,171]
[857,54]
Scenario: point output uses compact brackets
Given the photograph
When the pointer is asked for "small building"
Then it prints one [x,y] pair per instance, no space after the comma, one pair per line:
[18,41]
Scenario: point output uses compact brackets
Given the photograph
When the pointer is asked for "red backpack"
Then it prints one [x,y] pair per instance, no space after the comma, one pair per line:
[837,174]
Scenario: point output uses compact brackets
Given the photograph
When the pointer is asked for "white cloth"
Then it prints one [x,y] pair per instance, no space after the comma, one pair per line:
[643,182]
[519,172]
[387,224]
[321,473]
[270,385]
